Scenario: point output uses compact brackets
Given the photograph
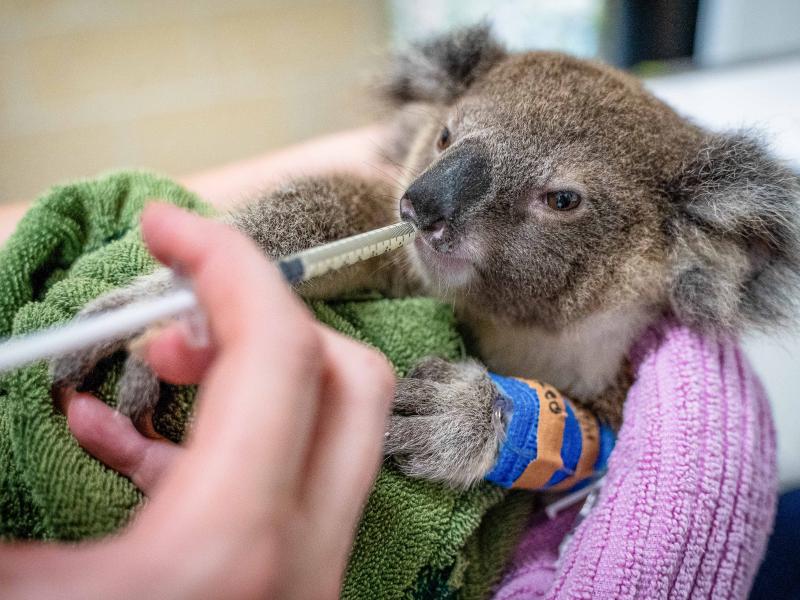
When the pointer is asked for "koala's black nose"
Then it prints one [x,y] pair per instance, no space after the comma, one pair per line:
[447,189]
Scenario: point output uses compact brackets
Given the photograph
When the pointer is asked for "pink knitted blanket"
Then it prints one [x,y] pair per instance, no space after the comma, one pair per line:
[690,495]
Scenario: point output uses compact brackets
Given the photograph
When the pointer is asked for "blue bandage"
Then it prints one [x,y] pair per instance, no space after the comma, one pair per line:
[519,447]
[549,443]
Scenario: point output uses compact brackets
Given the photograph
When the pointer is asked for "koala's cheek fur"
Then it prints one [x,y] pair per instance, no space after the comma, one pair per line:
[550,272]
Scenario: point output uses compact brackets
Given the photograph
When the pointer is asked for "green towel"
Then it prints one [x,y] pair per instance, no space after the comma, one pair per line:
[416,539]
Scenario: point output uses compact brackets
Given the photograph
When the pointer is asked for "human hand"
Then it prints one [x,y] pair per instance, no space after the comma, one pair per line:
[287,440]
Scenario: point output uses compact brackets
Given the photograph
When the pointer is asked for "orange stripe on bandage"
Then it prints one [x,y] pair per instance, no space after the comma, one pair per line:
[549,435]
[590,449]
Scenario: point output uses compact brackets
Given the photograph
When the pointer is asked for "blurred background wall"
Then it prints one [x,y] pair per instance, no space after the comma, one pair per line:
[177,86]
[182,85]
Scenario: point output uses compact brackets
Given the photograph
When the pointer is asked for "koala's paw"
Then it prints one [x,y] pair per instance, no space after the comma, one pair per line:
[445,426]
[138,392]
[70,370]
[138,387]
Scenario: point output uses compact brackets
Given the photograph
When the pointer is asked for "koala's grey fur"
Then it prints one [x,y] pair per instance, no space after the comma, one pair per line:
[735,256]
[138,386]
[674,220]
[445,424]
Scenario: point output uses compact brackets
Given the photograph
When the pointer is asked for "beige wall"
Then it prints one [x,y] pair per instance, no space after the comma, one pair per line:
[176,86]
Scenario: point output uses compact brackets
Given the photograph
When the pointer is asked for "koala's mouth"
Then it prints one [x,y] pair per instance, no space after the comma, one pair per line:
[443,253]
[451,264]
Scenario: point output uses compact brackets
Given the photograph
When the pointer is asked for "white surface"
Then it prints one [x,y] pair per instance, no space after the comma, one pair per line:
[735,30]
[764,97]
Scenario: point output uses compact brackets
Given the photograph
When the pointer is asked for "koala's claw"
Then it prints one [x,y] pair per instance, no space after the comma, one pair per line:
[442,427]
[138,386]
[71,369]
[138,391]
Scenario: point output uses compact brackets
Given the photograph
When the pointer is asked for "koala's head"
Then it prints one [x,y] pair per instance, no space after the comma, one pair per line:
[547,188]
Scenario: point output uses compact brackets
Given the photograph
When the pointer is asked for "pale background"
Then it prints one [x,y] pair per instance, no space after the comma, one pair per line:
[176,86]
[183,85]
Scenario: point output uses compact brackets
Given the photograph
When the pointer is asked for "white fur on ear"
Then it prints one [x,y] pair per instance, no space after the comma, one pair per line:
[441,69]
[736,237]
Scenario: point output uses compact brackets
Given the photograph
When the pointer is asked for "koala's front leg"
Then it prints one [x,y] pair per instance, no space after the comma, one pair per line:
[138,386]
[446,425]
[314,210]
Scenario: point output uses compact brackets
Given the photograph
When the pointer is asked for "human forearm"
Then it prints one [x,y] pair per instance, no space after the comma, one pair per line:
[359,151]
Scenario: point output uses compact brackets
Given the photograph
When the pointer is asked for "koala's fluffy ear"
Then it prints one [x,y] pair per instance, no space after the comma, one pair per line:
[735,238]
[441,69]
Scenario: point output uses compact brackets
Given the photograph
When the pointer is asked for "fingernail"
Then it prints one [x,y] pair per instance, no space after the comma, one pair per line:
[194,325]
[140,345]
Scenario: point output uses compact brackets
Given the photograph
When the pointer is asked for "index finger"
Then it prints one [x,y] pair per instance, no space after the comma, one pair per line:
[261,392]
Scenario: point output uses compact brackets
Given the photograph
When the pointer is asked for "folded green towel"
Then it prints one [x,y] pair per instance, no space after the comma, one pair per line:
[416,539]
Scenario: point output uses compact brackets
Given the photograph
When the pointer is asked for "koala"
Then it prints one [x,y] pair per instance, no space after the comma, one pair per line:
[561,210]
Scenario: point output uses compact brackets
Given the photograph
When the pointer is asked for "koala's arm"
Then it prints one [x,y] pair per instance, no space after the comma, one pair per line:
[444,424]
[311,211]
[447,424]
[70,369]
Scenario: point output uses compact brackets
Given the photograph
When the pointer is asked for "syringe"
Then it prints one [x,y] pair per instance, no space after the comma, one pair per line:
[115,324]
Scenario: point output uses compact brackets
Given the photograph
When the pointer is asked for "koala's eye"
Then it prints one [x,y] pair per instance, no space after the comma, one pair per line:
[444,139]
[563,200]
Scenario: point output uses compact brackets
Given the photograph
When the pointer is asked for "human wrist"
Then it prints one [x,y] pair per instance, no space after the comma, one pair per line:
[104,569]
[209,547]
